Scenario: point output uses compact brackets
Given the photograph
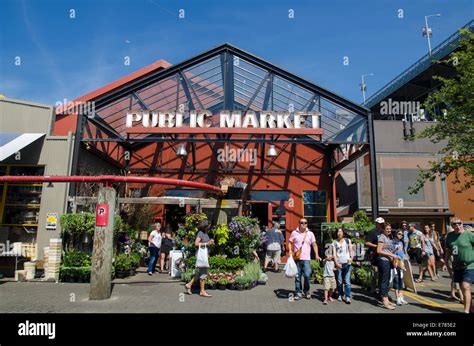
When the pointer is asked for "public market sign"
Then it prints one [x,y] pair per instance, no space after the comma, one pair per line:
[227,119]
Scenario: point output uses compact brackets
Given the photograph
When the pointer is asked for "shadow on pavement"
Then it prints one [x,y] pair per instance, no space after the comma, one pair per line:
[439,294]
[283,293]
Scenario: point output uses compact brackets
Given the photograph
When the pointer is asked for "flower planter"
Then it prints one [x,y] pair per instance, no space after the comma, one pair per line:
[231,286]
[240,287]
[253,284]
[222,287]
[121,274]
[211,286]
[131,272]
[261,282]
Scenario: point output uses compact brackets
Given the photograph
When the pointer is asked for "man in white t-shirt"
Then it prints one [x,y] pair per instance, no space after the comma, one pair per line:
[154,246]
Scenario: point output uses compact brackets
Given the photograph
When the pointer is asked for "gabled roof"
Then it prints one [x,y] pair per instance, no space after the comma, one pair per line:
[169,71]
[115,85]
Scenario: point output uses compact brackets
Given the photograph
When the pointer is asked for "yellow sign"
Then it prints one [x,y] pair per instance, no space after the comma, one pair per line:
[51,221]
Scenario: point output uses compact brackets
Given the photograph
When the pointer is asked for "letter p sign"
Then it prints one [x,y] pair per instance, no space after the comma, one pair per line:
[102,215]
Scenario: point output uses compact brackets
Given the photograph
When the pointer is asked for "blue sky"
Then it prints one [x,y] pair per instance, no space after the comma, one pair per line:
[66,58]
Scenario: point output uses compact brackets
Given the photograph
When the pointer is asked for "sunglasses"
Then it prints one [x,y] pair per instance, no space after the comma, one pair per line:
[303,223]
[399,233]
[456,223]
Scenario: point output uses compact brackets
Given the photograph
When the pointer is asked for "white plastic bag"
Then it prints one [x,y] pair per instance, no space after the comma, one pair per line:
[202,259]
[290,268]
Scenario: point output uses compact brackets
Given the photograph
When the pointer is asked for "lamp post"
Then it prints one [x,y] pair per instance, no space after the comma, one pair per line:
[427,30]
[363,86]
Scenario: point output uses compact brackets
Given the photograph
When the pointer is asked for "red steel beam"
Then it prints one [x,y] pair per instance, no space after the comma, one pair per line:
[107,180]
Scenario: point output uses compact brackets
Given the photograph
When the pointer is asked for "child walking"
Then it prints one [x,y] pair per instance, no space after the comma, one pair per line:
[330,284]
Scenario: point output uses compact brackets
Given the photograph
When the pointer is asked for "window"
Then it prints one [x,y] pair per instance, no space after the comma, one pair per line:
[315,208]
[265,195]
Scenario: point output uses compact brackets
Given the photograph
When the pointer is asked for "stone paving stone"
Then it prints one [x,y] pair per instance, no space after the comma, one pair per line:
[159,294]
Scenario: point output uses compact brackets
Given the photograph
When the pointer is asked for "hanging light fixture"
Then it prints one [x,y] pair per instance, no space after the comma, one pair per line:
[271,152]
[181,151]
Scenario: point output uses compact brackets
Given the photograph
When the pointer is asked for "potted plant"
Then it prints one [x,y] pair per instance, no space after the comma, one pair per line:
[210,284]
[240,282]
[222,283]
[122,266]
[263,279]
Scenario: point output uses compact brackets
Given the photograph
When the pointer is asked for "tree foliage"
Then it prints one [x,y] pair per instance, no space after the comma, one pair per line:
[452,107]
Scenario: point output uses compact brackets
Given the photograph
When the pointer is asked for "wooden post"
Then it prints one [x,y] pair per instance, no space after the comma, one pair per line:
[101,275]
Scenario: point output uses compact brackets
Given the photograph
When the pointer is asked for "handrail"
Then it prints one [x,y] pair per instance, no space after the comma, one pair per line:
[425,61]
[108,180]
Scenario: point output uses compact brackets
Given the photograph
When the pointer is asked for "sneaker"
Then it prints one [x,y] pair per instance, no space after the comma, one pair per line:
[297,297]
[150,273]
[399,302]
[348,300]
[307,295]
[404,302]
[339,299]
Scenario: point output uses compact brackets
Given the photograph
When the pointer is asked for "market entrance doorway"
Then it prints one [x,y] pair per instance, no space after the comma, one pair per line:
[260,212]
[174,215]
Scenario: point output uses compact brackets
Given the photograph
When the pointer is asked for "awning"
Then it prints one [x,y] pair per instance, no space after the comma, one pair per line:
[11,143]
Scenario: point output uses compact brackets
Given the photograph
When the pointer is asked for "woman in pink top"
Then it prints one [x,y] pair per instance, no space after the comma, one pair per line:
[302,238]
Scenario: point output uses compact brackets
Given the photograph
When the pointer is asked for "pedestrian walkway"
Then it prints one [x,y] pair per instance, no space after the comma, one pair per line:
[160,293]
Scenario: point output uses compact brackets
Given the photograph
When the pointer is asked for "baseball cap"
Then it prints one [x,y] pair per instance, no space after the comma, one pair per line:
[379,220]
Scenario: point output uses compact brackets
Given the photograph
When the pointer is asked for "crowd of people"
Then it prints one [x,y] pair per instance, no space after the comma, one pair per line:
[388,250]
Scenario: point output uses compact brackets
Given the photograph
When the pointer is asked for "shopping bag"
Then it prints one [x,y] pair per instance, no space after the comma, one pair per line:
[202,259]
[290,268]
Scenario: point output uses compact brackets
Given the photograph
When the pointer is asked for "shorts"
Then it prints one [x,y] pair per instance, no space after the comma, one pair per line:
[464,275]
[273,255]
[200,273]
[329,283]
[415,254]
[166,250]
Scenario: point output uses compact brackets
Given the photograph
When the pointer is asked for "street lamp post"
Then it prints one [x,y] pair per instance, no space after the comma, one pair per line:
[363,86]
[427,30]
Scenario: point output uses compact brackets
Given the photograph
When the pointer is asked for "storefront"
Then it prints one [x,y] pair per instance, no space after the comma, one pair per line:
[271,140]
[29,211]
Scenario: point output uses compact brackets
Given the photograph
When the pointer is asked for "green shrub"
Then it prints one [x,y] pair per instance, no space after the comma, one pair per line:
[243,280]
[75,258]
[221,234]
[123,262]
[220,263]
[187,275]
[252,270]
[362,276]
[317,271]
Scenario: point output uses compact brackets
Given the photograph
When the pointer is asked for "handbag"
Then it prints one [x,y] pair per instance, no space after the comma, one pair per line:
[202,259]
[297,255]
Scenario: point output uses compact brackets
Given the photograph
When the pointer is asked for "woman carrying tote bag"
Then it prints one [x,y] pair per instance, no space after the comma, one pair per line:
[202,258]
